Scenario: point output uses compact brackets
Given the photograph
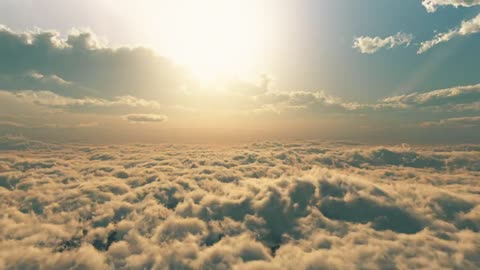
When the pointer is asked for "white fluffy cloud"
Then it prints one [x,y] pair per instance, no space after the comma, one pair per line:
[369,45]
[468,27]
[432,5]
[270,205]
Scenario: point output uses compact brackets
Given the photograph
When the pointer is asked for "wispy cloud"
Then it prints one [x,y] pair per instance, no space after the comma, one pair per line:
[50,99]
[468,27]
[455,96]
[463,122]
[142,118]
[369,45]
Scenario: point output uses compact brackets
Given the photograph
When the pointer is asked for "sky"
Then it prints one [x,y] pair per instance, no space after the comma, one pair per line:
[152,71]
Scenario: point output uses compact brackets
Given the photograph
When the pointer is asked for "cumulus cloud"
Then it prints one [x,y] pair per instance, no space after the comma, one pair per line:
[432,5]
[145,118]
[266,205]
[473,121]
[467,28]
[79,65]
[369,45]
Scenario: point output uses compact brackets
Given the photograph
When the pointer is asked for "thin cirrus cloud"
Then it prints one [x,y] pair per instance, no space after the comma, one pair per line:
[455,96]
[469,121]
[50,99]
[369,45]
[467,28]
[144,118]
[432,5]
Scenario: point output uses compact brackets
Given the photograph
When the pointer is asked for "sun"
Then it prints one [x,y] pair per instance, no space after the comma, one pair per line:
[216,38]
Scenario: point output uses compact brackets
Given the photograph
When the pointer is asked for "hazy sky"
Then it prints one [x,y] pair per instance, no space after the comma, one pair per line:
[388,70]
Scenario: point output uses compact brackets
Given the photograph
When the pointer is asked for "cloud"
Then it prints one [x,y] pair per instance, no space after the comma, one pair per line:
[18,142]
[458,98]
[299,100]
[48,125]
[432,5]
[11,123]
[458,122]
[369,45]
[141,118]
[265,205]
[86,104]
[455,99]
[79,66]
[467,28]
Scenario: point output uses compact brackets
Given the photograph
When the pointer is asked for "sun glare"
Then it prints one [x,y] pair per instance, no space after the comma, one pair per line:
[216,38]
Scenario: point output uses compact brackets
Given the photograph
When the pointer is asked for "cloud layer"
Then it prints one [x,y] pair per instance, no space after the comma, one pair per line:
[270,205]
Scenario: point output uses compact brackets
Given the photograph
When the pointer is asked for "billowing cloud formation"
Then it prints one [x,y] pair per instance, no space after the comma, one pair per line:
[371,45]
[472,121]
[432,5]
[145,118]
[468,27]
[79,66]
[271,205]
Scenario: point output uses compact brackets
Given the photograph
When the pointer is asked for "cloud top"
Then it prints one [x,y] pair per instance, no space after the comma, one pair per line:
[265,205]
